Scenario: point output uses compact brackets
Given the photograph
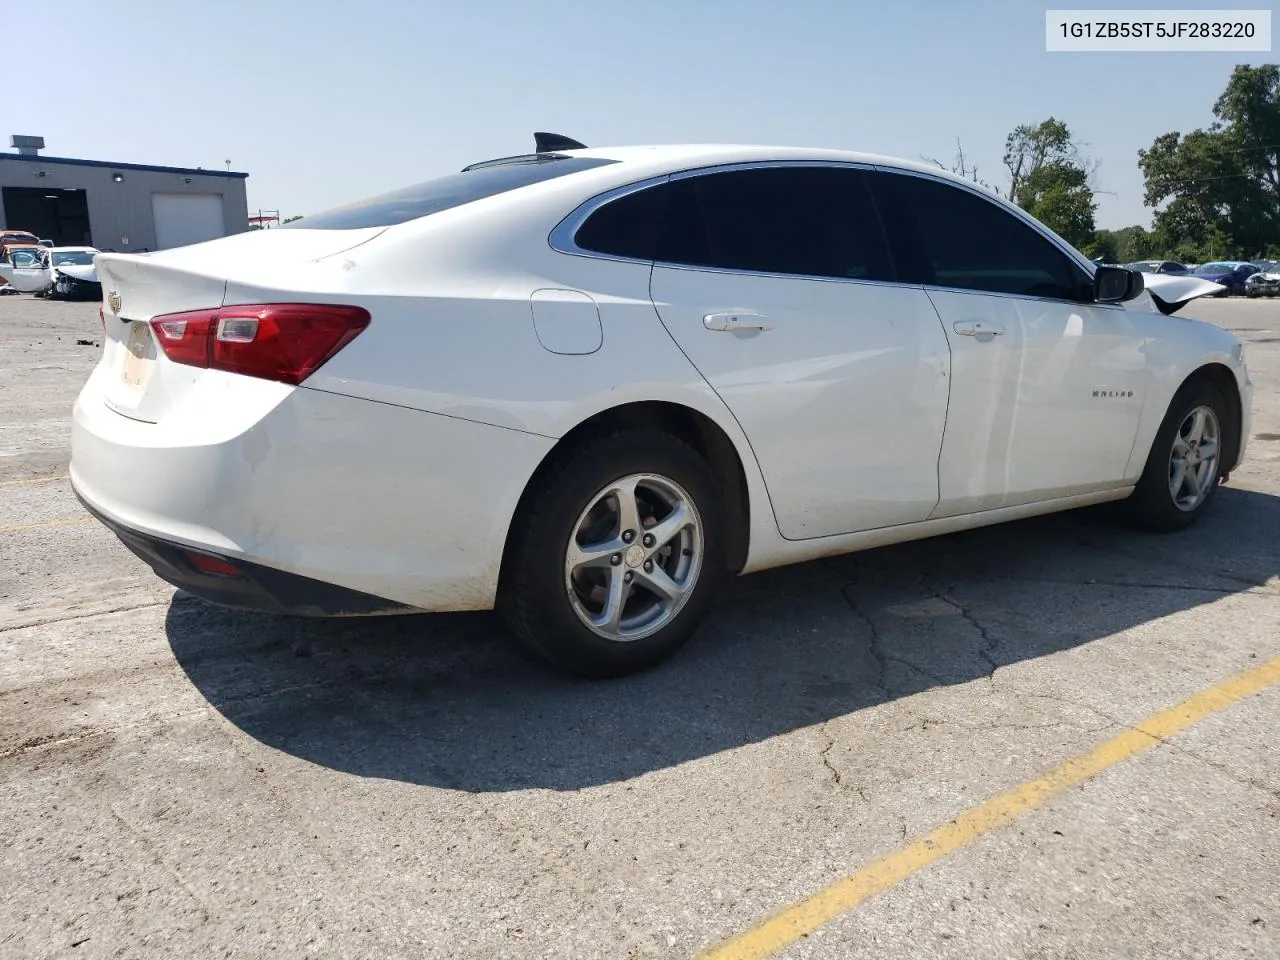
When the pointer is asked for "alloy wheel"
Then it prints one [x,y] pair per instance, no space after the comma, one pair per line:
[634,557]
[1193,462]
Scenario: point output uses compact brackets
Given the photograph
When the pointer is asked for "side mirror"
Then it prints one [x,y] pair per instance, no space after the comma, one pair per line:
[1116,284]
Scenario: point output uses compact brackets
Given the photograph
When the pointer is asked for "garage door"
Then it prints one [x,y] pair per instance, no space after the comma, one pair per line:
[183,218]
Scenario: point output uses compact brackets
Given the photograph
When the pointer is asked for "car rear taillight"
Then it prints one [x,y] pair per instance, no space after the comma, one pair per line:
[274,341]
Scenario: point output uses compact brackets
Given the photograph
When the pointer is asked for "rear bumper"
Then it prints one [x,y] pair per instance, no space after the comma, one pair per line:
[406,507]
[255,588]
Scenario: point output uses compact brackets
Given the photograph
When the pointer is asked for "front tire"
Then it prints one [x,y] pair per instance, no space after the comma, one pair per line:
[1185,461]
[617,554]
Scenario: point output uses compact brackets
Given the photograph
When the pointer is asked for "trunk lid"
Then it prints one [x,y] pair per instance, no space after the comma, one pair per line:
[140,382]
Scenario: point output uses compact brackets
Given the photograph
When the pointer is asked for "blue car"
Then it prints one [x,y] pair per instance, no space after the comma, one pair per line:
[1230,273]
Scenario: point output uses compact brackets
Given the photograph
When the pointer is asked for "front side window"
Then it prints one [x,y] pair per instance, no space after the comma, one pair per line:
[24,258]
[955,238]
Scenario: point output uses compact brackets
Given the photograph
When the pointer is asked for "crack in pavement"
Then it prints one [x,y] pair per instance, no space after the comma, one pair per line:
[826,754]
[161,861]
[989,642]
[924,722]
[1126,555]
[882,657]
[8,628]
[1256,590]
[1242,779]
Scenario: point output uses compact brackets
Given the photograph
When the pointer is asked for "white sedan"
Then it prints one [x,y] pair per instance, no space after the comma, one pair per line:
[52,271]
[585,385]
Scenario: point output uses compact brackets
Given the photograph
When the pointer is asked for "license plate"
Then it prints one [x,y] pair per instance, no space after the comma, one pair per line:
[136,364]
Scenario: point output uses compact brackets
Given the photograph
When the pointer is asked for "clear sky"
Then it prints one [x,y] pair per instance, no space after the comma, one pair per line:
[325,102]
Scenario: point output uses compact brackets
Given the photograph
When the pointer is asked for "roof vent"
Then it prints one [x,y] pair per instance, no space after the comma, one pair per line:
[27,146]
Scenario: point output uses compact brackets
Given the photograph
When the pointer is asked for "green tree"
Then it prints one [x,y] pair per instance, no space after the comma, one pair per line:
[1049,177]
[1137,243]
[1217,191]
[1104,246]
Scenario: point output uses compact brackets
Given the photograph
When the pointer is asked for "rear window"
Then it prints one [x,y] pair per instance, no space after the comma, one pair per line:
[447,192]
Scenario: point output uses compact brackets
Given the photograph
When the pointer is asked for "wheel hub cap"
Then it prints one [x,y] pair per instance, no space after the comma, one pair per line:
[634,557]
[1193,461]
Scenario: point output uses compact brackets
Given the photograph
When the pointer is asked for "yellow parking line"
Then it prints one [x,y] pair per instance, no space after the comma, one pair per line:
[14,483]
[70,521]
[801,919]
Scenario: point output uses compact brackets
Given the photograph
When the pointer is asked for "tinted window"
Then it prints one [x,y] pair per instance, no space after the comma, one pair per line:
[627,226]
[446,192]
[950,237]
[813,221]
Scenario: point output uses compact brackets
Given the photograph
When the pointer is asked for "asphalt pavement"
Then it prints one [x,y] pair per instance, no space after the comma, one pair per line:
[956,748]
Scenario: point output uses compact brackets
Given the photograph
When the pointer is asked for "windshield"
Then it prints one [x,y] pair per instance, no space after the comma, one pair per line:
[1214,268]
[450,191]
[74,257]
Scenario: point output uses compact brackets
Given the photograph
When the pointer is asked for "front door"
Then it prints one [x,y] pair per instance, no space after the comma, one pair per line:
[1047,387]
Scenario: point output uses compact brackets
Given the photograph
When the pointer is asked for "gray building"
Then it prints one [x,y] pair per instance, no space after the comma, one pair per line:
[123,207]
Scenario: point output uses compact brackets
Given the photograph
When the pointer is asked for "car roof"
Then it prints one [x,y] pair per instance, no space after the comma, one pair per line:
[74,250]
[674,157]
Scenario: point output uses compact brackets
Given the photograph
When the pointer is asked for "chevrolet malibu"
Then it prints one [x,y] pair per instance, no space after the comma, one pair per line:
[584,386]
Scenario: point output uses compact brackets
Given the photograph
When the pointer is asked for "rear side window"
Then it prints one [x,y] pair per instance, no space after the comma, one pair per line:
[446,192]
[627,226]
[807,221]
[950,237]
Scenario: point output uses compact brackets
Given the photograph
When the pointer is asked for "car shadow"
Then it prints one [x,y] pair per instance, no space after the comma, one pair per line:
[448,700]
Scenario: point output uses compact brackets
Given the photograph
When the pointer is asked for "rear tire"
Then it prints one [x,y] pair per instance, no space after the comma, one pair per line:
[585,583]
[1185,463]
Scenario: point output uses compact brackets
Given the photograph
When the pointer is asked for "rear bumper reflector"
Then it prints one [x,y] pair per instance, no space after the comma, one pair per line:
[243,585]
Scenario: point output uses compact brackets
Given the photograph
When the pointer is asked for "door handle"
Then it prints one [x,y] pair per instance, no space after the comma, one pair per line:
[738,320]
[978,328]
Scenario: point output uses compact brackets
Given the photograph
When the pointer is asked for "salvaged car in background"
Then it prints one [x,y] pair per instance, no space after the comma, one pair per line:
[72,275]
[59,272]
[1264,283]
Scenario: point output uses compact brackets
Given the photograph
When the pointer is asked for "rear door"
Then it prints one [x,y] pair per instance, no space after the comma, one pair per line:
[1046,386]
[776,282]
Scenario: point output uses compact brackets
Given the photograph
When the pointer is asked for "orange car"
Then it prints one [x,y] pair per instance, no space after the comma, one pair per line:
[11,239]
